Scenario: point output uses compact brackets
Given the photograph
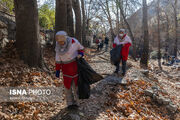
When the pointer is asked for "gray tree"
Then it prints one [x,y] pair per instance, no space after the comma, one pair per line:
[145,52]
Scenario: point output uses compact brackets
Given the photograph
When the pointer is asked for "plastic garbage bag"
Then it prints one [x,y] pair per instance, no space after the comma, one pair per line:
[87,76]
[115,54]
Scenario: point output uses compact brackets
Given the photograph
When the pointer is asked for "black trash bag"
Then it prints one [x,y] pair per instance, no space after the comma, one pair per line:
[87,76]
[83,87]
[86,69]
[116,54]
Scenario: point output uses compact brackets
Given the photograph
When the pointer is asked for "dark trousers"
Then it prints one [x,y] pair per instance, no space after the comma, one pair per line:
[98,47]
[123,66]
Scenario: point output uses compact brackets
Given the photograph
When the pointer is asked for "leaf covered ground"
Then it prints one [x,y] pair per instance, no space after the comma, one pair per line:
[109,100]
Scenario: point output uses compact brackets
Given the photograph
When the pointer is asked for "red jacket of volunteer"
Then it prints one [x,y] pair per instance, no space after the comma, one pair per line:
[126,41]
[67,63]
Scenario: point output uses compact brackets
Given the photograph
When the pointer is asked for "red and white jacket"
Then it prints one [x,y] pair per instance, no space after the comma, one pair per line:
[67,63]
[126,44]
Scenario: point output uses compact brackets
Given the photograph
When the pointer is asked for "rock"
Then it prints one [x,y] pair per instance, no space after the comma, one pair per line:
[158,71]
[74,117]
[178,68]
[80,113]
[166,101]
[163,91]
[2,25]
[4,115]
[155,88]
[123,81]
[4,42]
[149,92]
[145,72]
[163,101]
[4,32]
[134,76]
[96,91]
[160,100]
[113,80]
[172,108]
[170,77]
[155,97]
[177,78]
[178,84]
[136,79]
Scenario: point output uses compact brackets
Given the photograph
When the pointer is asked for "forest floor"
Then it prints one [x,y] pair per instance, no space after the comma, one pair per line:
[141,95]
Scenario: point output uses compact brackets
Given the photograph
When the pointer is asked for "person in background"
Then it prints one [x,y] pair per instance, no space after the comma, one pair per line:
[122,39]
[106,42]
[97,43]
[67,50]
[101,43]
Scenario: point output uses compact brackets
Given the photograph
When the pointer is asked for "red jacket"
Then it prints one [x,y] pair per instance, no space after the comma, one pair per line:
[69,70]
[124,50]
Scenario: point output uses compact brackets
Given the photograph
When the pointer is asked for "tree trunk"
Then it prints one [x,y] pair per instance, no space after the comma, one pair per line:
[70,24]
[176,27]
[159,37]
[60,16]
[117,17]
[27,32]
[145,52]
[167,34]
[121,17]
[110,20]
[87,24]
[77,11]
[84,24]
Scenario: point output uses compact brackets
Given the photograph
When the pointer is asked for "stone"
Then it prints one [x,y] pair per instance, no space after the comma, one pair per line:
[4,42]
[178,83]
[2,25]
[178,68]
[145,72]
[123,81]
[4,115]
[160,100]
[134,75]
[155,88]
[96,91]
[4,32]
[149,92]
[136,79]
[155,97]
[80,113]
[166,101]
[170,77]
[172,108]
[163,91]
[115,80]
[74,117]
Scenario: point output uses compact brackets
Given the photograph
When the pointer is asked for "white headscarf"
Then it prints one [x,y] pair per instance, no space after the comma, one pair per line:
[61,33]
[64,48]
[122,30]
